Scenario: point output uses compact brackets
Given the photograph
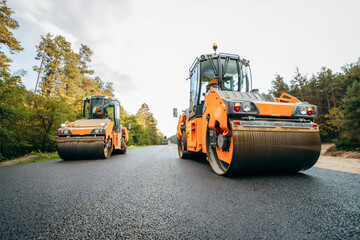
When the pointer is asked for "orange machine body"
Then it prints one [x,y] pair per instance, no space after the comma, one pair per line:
[216,118]
[240,129]
[97,134]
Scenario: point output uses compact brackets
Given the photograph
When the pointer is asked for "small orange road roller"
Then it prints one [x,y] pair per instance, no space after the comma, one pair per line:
[241,130]
[95,136]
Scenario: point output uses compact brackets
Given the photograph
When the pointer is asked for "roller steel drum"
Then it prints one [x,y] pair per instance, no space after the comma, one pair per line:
[269,151]
[82,150]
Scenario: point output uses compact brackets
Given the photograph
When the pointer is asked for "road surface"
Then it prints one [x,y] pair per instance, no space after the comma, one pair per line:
[150,193]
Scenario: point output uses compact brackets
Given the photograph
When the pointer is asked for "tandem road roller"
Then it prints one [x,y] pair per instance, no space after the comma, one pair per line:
[95,136]
[241,130]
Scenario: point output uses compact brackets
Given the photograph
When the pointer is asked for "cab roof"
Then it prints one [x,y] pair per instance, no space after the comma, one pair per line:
[204,57]
[100,97]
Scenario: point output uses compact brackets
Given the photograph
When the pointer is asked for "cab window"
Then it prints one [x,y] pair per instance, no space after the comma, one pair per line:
[230,76]
[86,113]
[109,109]
[194,78]
[208,76]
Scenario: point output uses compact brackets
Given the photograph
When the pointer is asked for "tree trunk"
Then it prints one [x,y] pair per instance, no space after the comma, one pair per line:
[332,93]
[53,78]
[318,98]
[302,95]
[38,77]
[328,101]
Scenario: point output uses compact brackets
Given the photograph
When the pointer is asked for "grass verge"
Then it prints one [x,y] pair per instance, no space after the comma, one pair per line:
[31,157]
[38,157]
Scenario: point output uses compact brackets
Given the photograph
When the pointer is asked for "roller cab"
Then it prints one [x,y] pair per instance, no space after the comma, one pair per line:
[241,130]
[97,135]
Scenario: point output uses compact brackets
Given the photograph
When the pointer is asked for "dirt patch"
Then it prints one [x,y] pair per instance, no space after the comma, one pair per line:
[18,160]
[329,151]
[343,161]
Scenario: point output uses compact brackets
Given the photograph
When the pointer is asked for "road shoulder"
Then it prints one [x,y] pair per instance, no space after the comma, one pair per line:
[351,165]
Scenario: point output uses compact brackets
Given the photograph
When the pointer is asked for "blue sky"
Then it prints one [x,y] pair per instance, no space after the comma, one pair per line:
[146,47]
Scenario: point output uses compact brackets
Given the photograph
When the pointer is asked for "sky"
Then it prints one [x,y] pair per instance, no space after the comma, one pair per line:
[146,47]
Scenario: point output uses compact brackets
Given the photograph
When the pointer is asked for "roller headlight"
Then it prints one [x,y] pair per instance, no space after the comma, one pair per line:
[100,131]
[303,110]
[64,131]
[243,108]
[246,107]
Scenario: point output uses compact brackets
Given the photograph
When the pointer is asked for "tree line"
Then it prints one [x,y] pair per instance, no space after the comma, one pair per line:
[337,97]
[29,119]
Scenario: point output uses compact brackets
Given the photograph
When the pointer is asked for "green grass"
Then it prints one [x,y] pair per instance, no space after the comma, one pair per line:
[133,146]
[39,157]
[31,157]
[42,157]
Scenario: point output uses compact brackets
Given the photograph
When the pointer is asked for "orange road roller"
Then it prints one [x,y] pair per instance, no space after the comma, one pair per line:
[240,130]
[95,136]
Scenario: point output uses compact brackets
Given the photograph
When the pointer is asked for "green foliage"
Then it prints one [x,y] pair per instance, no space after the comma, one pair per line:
[337,98]
[352,73]
[29,120]
[7,23]
[298,84]
[173,139]
[65,73]
[47,115]
[13,116]
[350,123]
[143,127]
[278,86]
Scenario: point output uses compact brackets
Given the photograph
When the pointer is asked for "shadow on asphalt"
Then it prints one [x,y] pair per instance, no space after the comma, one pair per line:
[61,161]
[200,159]
[253,176]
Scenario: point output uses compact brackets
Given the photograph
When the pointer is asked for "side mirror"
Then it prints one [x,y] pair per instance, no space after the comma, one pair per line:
[175,112]
[129,126]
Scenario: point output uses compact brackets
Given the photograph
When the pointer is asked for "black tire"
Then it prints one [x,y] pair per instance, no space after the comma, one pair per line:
[183,153]
[108,149]
[218,166]
[123,144]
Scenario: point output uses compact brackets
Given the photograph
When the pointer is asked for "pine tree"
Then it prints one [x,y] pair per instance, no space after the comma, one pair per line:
[56,49]
[278,86]
[297,84]
[41,51]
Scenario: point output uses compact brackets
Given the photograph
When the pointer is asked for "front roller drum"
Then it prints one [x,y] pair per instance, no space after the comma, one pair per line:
[84,150]
[267,152]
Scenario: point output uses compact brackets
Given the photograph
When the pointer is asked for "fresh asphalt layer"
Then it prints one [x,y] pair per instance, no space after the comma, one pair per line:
[150,193]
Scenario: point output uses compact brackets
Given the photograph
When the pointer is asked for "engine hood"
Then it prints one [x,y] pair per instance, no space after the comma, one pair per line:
[88,122]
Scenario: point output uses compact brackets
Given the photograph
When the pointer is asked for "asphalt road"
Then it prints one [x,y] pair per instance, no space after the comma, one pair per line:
[150,193]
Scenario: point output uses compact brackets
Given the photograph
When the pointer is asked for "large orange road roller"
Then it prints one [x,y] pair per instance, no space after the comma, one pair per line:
[241,130]
[95,136]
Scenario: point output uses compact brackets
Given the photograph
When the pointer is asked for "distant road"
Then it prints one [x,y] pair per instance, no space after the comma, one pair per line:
[150,193]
